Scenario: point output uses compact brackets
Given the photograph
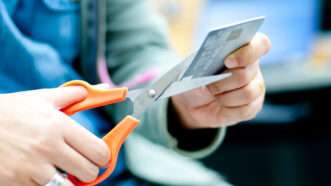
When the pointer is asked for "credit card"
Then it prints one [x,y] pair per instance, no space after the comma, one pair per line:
[218,44]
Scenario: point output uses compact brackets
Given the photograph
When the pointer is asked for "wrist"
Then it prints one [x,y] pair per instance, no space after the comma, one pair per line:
[189,138]
[182,113]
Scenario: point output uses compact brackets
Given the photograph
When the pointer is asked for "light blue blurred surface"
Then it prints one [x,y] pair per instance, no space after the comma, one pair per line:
[291,25]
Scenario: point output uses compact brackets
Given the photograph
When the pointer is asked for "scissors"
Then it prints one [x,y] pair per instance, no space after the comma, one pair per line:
[168,85]
[192,73]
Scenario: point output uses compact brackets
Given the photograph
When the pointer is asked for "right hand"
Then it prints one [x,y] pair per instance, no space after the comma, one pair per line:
[36,139]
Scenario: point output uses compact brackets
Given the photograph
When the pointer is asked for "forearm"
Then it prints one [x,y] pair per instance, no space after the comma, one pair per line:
[134,47]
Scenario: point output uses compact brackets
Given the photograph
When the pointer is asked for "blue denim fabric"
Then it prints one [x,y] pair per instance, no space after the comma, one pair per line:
[38,43]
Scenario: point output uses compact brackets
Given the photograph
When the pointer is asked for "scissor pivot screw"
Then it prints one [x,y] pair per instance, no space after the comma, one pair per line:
[151,93]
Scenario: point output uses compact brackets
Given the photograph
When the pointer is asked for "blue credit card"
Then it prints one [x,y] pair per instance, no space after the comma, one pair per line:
[218,44]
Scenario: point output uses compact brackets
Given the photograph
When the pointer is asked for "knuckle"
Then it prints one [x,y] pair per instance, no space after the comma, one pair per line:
[40,148]
[241,56]
[43,144]
[249,94]
[245,55]
[56,123]
[213,88]
[243,77]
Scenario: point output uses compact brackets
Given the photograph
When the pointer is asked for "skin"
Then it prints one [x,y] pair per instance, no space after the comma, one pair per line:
[230,101]
[38,138]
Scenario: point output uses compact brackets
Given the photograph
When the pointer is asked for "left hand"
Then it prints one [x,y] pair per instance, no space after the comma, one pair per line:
[232,100]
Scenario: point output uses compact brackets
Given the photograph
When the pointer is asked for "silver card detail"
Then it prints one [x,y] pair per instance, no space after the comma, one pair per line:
[219,43]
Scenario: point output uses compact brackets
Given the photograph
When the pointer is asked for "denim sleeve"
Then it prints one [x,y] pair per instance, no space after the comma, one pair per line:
[29,63]
[26,64]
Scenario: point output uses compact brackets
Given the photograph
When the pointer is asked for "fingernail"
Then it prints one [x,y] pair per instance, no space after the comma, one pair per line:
[231,62]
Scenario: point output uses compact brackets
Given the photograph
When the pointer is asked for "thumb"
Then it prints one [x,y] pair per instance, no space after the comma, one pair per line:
[64,96]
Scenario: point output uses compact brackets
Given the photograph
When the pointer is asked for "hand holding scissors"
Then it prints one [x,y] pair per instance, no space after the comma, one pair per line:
[194,72]
[168,85]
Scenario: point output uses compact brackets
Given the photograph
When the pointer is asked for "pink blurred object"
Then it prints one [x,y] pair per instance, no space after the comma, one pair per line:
[144,78]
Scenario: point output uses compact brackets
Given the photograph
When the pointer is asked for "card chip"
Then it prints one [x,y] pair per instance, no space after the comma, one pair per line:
[234,35]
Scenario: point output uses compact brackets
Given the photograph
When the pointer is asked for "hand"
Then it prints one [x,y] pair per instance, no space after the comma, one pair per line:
[232,100]
[36,138]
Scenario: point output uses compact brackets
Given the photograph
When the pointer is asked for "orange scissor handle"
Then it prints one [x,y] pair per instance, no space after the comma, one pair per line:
[96,97]
[116,137]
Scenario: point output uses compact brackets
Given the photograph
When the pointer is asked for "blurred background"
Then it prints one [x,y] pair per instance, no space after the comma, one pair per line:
[290,141]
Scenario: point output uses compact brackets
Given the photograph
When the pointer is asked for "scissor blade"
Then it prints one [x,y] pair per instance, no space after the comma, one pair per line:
[188,84]
[141,99]
[184,85]
[176,74]
[208,60]
[135,92]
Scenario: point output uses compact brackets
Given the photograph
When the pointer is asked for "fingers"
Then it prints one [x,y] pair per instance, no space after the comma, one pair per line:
[244,95]
[45,174]
[240,77]
[232,115]
[202,96]
[250,53]
[75,150]
[63,96]
[74,163]
[83,141]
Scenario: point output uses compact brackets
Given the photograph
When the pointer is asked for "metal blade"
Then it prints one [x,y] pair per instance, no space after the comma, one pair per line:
[188,84]
[207,61]
[184,85]
[179,69]
[147,96]
[134,93]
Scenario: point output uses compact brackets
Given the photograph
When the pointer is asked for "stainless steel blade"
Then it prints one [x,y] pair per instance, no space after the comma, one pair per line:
[180,69]
[184,85]
[188,84]
[132,94]
[147,96]
[197,70]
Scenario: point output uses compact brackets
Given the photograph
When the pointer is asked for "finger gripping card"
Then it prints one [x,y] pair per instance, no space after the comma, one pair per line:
[219,44]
